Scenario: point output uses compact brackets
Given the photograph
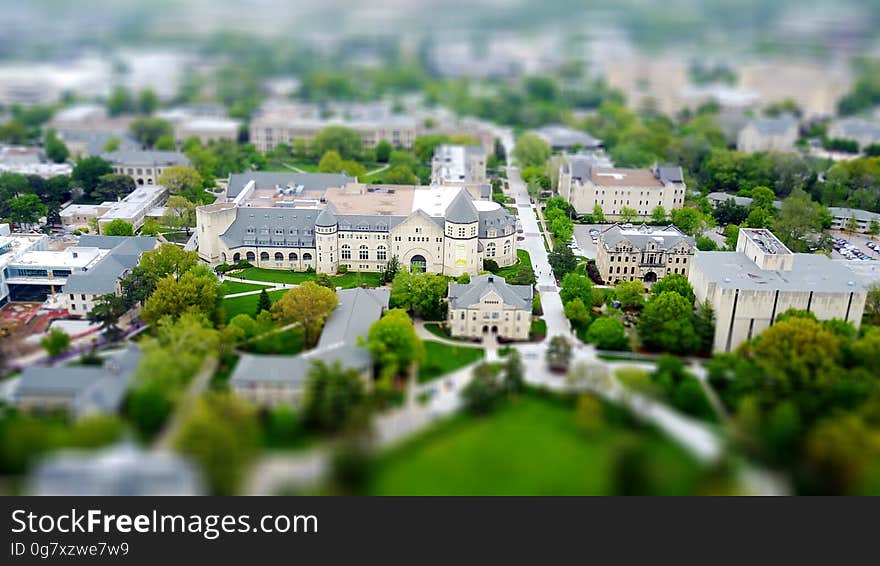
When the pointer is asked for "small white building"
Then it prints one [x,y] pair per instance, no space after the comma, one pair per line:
[768,134]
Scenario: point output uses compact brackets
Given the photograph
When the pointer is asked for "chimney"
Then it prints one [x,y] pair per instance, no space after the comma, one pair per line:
[491,279]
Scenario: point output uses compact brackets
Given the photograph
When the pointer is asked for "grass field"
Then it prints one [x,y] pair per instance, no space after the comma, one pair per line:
[441,359]
[246,304]
[529,446]
[229,287]
[346,281]
[511,270]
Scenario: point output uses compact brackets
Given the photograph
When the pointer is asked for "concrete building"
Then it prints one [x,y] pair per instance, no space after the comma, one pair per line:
[13,247]
[768,134]
[86,129]
[752,286]
[207,122]
[145,167]
[857,129]
[80,390]
[461,166]
[584,186]
[274,380]
[134,209]
[643,253]
[28,160]
[121,470]
[815,87]
[113,257]
[438,229]
[289,123]
[489,304]
[563,138]
[863,218]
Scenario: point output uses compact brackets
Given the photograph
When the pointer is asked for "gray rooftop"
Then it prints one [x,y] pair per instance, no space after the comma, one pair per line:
[87,389]
[858,214]
[146,157]
[774,126]
[269,179]
[125,253]
[809,272]
[640,236]
[559,136]
[462,296]
[719,197]
[856,128]
[357,310]
[498,218]
[462,210]
[272,226]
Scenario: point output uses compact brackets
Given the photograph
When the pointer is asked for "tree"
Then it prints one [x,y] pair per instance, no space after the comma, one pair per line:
[180,213]
[608,333]
[309,305]
[117,227]
[26,209]
[481,393]
[353,169]
[798,218]
[628,214]
[704,325]
[689,220]
[88,171]
[576,286]
[514,372]
[56,342]
[598,215]
[852,225]
[658,215]
[264,303]
[331,162]
[147,102]
[873,227]
[389,272]
[400,175]
[181,180]
[762,197]
[731,236]
[525,275]
[577,313]
[394,344]
[631,294]
[222,435]
[562,260]
[166,260]
[148,130]
[56,151]
[107,311]
[150,228]
[872,303]
[728,212]
[333,393]
[192,293]
[530,149]
[559,353]
[420,293]
[383,151]
[345,141]
[706,244]
[666,324]
[120,101]
[113,143]
[676,283]
[166,143]
[112,187]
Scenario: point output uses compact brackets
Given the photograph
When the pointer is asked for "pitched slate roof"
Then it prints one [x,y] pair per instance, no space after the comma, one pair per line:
[146,157]
[666,237]
[327,218]
[774,126]
[269,179]
[462,210]
[125,252]
[272,226]
[464,295]
[498,219]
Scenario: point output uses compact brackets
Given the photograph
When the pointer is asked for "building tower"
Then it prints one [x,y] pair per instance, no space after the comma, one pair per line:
[461,237]
[326,242]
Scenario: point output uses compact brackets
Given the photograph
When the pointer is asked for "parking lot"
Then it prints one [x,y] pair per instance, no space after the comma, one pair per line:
[858,249]
[585,243]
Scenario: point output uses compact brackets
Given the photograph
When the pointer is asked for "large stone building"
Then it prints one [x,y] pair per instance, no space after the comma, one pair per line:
[316,225]
[585,186]
[489,304]
[643,253]
[461,166]
[768,134]
[751,287]
[145,167]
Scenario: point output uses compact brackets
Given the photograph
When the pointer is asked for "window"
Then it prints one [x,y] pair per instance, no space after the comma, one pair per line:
[490,249]
[307,257]
[71,296]
[264,256]
[72,307]
[251,256]
[363,253]
[292,256]
[507,247]
[83,297]
[381,253]
[279,256]
[346,251]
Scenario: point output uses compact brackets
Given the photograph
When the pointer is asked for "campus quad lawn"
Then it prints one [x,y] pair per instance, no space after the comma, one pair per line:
[230,287]
[346,281]
[246,304]
[441,359]
[529,446]
[510,271]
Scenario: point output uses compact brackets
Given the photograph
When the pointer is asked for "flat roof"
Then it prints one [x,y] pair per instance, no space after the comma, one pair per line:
[614,177]
[71,257]
[766,241]
[139,199]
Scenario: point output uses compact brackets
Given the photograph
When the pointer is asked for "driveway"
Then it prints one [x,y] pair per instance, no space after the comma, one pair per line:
[584,242]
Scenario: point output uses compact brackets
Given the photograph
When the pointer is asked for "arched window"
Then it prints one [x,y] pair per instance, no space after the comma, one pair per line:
[279,256]
[307,257]
[292,256]
[364,252]
[223,256]
[251,256]
[490,249]
[507,247]
[264,256]
[346,251]
[381,253]
[236,257]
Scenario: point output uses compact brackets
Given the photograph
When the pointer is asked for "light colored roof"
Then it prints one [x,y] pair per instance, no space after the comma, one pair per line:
[615,177]
[154,158]
[855,128]
[719,197]
[102,277]
[858,214]
[809,272]
[640,236]
[269,179]
[462,296]
[774,126]
[558,136]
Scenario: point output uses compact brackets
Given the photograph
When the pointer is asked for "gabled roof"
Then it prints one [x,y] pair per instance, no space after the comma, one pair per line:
[327,218]
[125,253]
[640,236]
[258,226]
[464,295]
[462,210]
[774,126]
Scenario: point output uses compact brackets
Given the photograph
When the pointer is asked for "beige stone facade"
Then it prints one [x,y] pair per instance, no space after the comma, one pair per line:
[643,253]
[489,305]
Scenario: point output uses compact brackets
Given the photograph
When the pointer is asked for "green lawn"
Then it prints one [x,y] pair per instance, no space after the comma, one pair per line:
[230,287]
[246,304]
[538,329]
[441,359]
[529,446]
[511,270]
[346,281]
[638,380]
